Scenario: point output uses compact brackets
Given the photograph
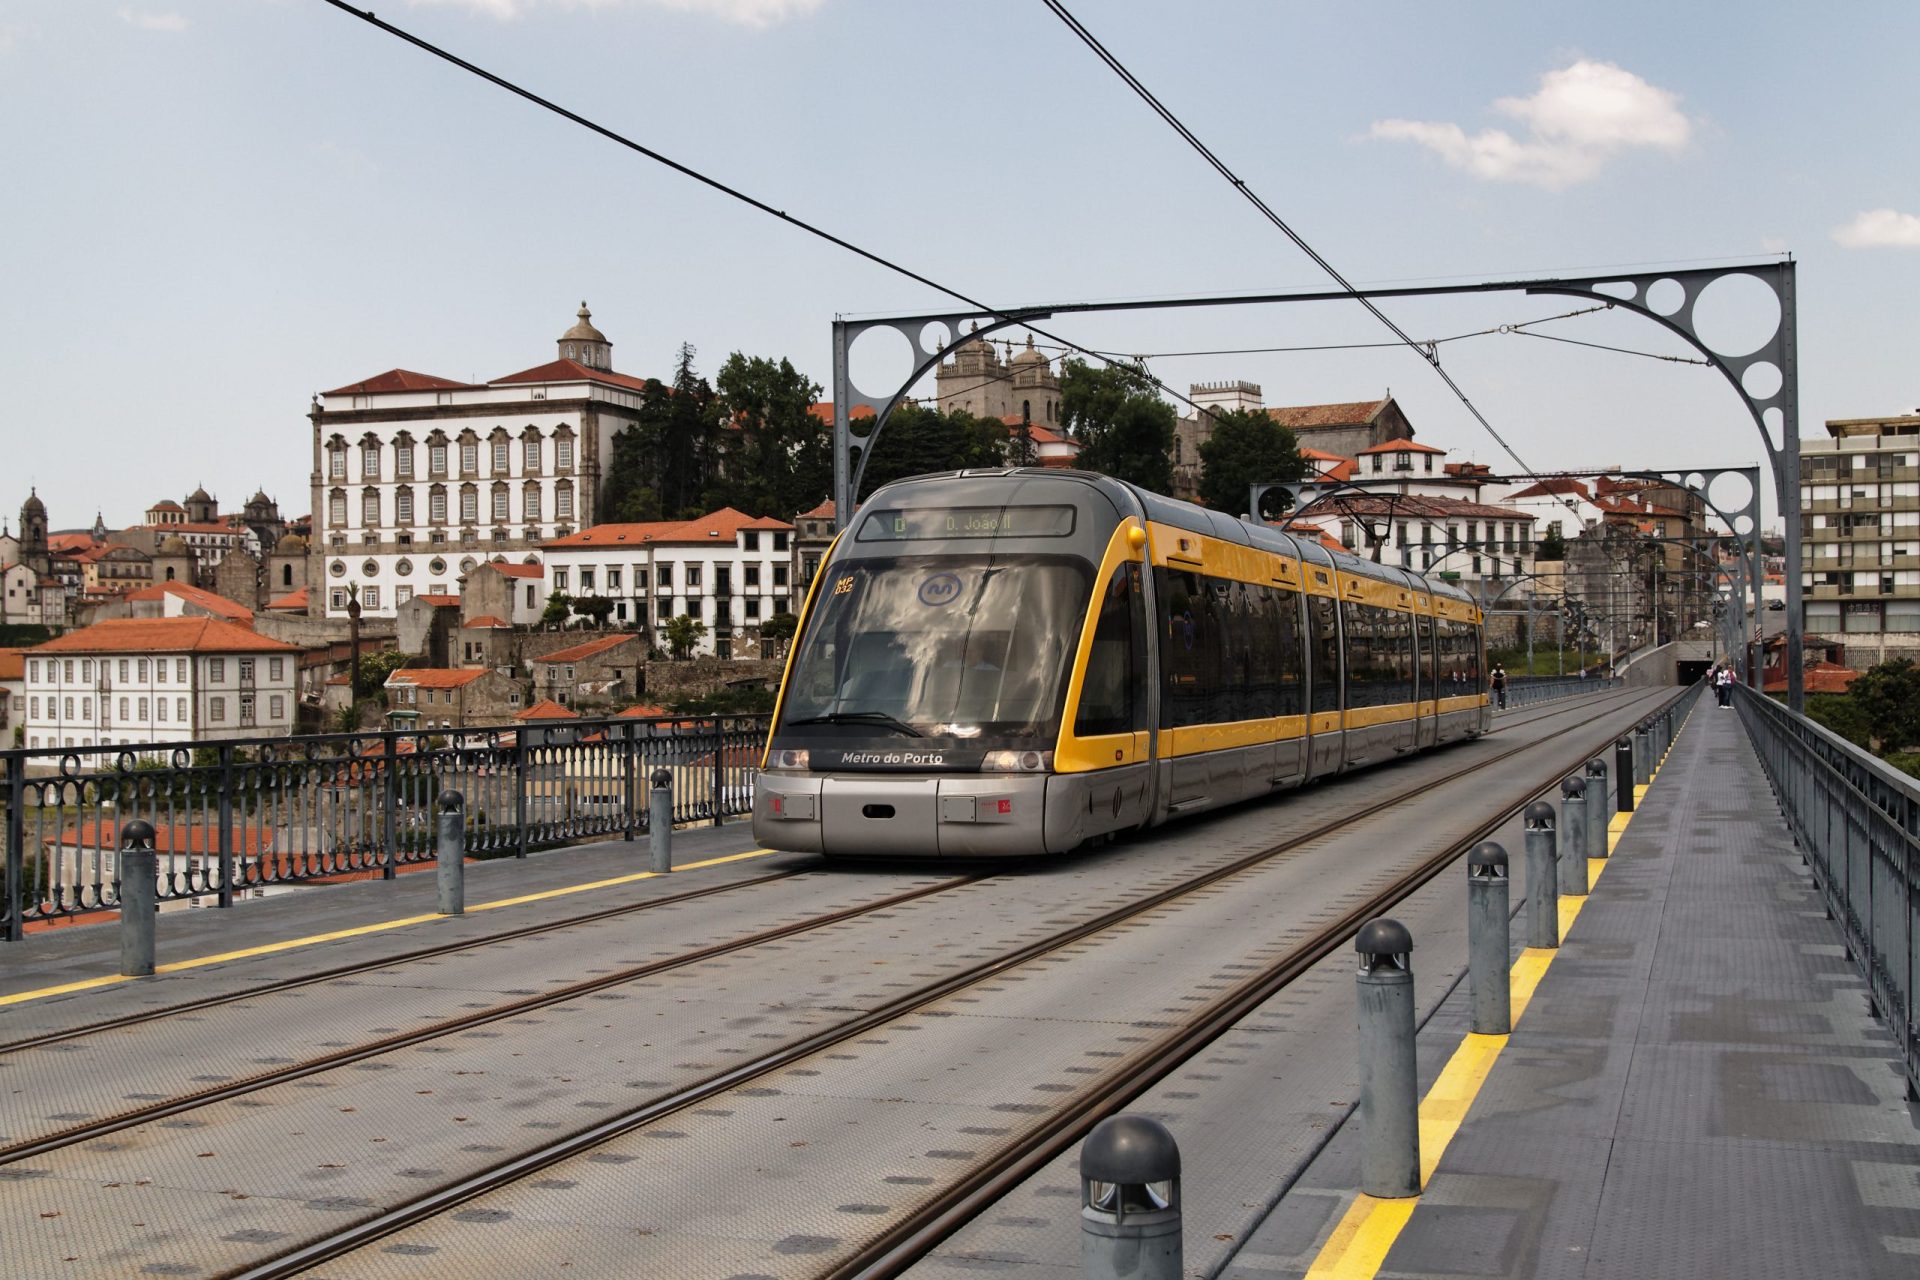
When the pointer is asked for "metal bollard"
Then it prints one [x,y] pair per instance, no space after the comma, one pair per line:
[660,820]
[450,854]
[139,893]
[1487,908]
[1571,840]
[1389,1096]
[1130,1201]
[1642,756]
[1600,805]
[1543,878]
[1623,776]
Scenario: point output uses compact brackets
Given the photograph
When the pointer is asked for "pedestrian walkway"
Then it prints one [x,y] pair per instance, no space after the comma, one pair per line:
[1696,1087]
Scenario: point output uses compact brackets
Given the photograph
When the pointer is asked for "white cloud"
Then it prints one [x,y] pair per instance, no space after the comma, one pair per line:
[153,21]
[745,13]
[1581,116]
[1880,229]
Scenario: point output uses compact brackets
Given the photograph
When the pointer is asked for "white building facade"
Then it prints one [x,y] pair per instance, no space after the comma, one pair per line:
[149,681]
[419,479]
[729,570]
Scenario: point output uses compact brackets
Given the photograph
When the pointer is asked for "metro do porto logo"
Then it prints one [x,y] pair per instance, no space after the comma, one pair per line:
[940,589]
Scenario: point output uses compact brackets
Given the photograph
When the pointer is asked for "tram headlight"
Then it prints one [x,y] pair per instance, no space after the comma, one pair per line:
[1017,762]
[789,758]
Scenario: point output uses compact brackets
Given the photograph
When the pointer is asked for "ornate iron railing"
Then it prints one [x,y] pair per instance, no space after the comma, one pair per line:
[1857,822]
[233,817]
[1526,692]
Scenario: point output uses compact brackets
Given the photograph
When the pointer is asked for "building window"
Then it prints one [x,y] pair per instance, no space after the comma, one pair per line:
[753,608]
[779,575]
[500,511]
[613,579]
[370,508]
[160,671]
[336,601]
[246,671]
[403,460]
[246,708]
[277,707]
[123,668]
[180,710]
[216,669]
[140,666]
[530,456]
[437,460]
[216,710]
[370,597]
[337,509]
[501,461]
[639,577]
[469,457]
[469,504]
[337,462]
[161,705]
[563,453]
[437,505]
[403,507]
[751,540]
[530,503]
[274,668]
[753,575]
[560,579]
[370,461]
[666,576]
[402,594]
[563,502]
[693,577]
[586,579]
[779,539]
[143,710]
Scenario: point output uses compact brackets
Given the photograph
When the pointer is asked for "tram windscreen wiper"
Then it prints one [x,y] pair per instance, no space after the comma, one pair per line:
[860,717]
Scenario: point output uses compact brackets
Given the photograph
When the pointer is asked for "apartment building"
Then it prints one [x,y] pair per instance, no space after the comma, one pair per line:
[1860,530]
[139,681]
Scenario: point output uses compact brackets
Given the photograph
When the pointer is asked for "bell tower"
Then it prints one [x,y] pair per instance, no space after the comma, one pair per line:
[33,533]
[585,344]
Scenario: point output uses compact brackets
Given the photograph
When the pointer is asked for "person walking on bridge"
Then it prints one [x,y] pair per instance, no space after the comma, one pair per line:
[1723,685]
[1499,682]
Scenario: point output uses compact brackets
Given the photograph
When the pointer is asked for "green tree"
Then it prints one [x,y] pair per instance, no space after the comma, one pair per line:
[596,608]
[917,441]
[1551,547]
[376,667]
[776,456]
[1247,448]
[777,632]
[1888,696]
[558,607]
[1124,428]
[1021,451]
[662,465]
[682,634]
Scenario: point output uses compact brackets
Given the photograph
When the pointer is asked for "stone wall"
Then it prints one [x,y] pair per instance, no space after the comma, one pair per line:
[669,681]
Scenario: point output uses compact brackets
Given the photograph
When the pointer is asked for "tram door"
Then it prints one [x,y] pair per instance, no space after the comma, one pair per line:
[1427,696]
[1326,748]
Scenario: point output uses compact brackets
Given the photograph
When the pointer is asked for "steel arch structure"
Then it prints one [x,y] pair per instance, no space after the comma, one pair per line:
[1668,298]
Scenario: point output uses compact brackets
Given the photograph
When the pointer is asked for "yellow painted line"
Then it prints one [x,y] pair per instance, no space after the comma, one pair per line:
[293,944]
[1365,1234]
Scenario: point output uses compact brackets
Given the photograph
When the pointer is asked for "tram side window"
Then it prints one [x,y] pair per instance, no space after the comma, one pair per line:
[1232,650]
[1399,628]
[1277,654]
[1429,660]
[1322,616]
[1360,677]
[1111,697]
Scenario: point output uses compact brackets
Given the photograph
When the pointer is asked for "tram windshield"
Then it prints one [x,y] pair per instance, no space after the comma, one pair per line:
[968,647]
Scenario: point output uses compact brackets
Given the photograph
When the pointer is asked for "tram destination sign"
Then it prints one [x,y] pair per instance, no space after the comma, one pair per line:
[925,524]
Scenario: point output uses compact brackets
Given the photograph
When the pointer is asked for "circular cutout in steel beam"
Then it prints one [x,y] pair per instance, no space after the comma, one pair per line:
[1665,297]
[935,337]
[1762,380]
[879,361]
[1736,315]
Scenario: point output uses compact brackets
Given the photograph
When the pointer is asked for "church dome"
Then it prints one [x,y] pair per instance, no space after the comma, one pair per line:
[199,495]
[1029,356]
[290,543]
[33,505]
[583,331]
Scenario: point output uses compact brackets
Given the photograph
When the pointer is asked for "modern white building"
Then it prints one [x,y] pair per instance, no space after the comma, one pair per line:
[418,479]
[1860,527]
[139,681]
[730,570]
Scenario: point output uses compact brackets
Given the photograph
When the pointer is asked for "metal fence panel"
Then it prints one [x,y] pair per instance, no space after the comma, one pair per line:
[236,817]
[1857,822]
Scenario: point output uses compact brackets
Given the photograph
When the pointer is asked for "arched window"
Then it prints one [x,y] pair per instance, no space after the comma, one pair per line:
[437,455]
[403,506]
[501,511]
[370,508]
[563,449]
[437,504]
[286,575]
[501,450]
[469,504]
[530,452]
[563,500]
[370,457]
[403,456]
[469,453]
[337,508]
[530,502]
[337,459]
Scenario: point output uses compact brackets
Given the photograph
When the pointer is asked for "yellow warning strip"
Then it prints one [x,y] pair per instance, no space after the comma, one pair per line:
[1365,1234]
[292,944]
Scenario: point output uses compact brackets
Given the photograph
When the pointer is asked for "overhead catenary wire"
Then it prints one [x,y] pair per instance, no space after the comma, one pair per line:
[1239,184]
[620,139]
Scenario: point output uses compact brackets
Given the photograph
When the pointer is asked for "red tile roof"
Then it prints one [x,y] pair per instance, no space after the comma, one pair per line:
[436,677]
[164,635]
[12,665]
[1553,486]
[1821,677]
[292,602]
[712,528]
[440,601]
[825,511]
[570,371]
[200,596]
[68,544]
[1421,505]
[642,712]
[166,504]
[395,380]
[487,622]
[581,652]
[174,837]
[1400,446]
[1354,413]
[823,410]
[546,709]
[514,570]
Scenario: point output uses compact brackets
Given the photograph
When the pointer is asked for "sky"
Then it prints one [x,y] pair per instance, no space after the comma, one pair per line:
[216,208]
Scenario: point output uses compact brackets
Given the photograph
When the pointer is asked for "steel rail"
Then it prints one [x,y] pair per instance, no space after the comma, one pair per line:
[440,1200]
[373,966]
[908,1242]
[448,1026]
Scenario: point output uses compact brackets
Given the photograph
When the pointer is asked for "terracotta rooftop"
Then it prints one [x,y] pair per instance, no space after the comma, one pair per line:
[164,635]
[12,665]
[1353,414]
[546,709]
[436,677]
[1400,446]
[825,511]
[642,712]
[395,380]
[440,601]
[1422,506]
[487,622]
[824,411]
[292,602]
[571,371]
[581,652]
[1821,677]
[199,596]
[515,570]
[712,528]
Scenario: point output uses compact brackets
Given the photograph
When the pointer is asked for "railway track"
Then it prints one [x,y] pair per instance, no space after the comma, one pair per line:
[16,1146]
[890,1251]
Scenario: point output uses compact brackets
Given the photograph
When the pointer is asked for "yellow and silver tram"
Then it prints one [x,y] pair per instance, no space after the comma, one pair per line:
[1017,662]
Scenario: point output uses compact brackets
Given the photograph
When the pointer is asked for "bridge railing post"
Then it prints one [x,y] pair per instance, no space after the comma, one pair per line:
[139,875]
[1599,807]
[1488,899]
[1389,1093]
[1130,1210]
[1623,775]
[1543,878]
[450,854]
[660,821]
[1571,839]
